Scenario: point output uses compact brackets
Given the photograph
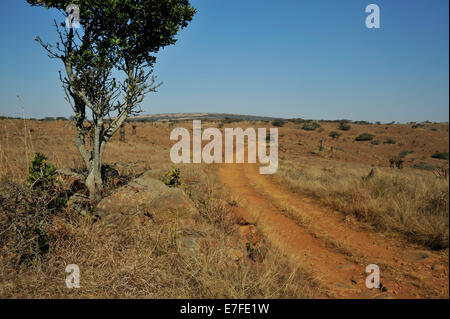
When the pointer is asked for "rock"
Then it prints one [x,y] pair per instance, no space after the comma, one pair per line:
[148,195]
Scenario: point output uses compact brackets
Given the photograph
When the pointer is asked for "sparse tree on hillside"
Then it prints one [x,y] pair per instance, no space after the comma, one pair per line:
[116,36]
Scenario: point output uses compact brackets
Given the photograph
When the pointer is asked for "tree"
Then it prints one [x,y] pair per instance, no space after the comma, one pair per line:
[115,37]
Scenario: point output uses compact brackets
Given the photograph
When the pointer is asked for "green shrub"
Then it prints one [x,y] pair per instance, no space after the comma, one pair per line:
[297,121]
[440,155]
[344,127]
[173,177]
[390,141]
[376,142]
[424,166]
[334,134]
[310,126]
[40,172]
[278,123]
[364,137]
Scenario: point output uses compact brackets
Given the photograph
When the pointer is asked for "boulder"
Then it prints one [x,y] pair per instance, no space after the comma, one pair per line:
[145,194]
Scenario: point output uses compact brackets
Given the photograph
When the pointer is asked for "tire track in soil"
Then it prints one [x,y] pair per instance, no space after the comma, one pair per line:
[406,272]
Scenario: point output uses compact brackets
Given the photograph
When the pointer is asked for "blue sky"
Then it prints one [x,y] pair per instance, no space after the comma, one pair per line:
[288,58]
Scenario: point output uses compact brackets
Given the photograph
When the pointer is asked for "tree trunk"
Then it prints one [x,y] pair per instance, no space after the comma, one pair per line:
[94,181]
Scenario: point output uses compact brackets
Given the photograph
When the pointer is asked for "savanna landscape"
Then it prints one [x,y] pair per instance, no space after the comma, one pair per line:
[224,151]
[337,203]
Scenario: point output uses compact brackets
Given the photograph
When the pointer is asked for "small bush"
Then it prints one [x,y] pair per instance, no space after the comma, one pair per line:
[376,142]
[334,134]
[440,155]
[41,173]
[297,121]
[364,137]
[173,177]
[424,166]
[390,141]
[310,126]
[344,127]
[278,123]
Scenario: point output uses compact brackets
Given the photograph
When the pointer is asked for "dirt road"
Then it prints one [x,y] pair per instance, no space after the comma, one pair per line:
[336,249]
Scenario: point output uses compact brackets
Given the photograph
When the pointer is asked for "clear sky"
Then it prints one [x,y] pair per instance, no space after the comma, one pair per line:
[288,58]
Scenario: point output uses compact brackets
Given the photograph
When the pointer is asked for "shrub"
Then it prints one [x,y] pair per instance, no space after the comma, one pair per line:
[41,173]
[364,137]
[424,166]
[297,121]
[440,155]
[390,141]
[229,120]
[334,134]
[278,123]
[376,142]
[344,127]
[310,126]
[173,177]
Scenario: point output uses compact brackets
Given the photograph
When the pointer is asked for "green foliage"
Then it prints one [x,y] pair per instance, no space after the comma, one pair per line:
[440,155]
[344,126]
[424,166]
[41,173]
[362,123]
[310,126]
[390,141]
[233,203]
[297,121]
[376,142]
[229,120]
[334,134]
[137,29]
[278,123]
[364,137]
[173,177]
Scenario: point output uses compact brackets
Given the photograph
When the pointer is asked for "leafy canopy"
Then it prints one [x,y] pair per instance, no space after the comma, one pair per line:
[134,29]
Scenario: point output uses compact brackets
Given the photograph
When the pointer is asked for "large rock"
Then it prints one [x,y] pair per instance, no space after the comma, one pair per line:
[145,194]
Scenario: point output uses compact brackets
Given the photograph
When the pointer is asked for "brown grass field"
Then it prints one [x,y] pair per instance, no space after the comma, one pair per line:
[319,220]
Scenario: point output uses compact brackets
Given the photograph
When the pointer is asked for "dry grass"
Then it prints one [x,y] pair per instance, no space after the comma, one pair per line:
[407,202]
[130,256]
[137,257]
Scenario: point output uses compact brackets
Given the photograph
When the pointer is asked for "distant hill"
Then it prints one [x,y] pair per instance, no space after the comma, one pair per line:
[198,116]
